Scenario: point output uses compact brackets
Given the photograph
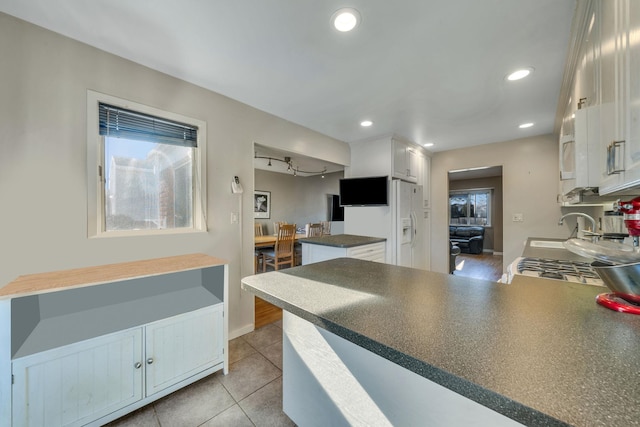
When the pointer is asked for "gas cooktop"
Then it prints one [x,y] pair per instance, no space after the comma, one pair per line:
[572,271]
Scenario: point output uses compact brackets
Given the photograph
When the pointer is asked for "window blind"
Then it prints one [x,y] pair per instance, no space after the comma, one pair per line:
[123,123]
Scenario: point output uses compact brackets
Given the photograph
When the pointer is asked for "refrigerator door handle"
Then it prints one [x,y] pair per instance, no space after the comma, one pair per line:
[414,232]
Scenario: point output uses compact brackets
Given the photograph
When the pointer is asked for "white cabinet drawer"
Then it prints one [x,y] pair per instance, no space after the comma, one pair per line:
[372,252]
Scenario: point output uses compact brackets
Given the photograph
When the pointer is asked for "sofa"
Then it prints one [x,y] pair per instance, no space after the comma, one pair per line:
[470,239]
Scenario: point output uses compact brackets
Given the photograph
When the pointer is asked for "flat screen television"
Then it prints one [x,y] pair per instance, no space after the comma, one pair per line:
[365,191]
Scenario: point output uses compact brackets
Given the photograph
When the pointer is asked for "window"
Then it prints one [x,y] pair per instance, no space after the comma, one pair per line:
[470,207]
[149,176]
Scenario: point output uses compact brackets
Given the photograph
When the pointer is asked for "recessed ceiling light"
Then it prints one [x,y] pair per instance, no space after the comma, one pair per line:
[345,19]
[366,123]
[520,74]
[525,125]
[428,144]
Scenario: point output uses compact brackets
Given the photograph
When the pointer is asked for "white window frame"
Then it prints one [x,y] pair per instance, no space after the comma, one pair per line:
[95,160]
[488,191]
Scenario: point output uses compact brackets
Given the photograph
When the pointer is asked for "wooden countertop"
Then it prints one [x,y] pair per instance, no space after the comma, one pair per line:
[90,276]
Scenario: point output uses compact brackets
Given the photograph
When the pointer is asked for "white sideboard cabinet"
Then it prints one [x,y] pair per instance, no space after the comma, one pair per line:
[86,346]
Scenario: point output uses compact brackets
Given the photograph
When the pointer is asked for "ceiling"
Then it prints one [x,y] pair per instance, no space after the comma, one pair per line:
[427,70]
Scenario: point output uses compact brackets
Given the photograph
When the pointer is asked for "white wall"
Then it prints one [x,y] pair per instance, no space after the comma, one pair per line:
[296,199]
[43,191]
[530,187]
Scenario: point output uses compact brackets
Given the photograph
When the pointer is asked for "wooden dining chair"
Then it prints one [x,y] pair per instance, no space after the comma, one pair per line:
[326,227]
[283,253]
[313,230]
[257,252]
[276,226]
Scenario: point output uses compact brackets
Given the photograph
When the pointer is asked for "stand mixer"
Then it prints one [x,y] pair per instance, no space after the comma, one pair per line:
[623,279]
[631,211]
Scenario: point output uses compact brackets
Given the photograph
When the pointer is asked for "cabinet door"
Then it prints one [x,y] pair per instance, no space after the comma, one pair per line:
[182,346]
[77,383]
[413,166]
[426,183]
[400,166]
[612,151]
[630,60]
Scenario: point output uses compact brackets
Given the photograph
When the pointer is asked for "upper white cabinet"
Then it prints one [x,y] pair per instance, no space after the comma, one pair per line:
[579,153]
[393,156]
[619,60]
[405,160]
[426,183]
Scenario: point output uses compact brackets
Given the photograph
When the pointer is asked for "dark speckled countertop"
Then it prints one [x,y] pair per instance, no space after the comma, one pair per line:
[551,253]
[342,240]
[541,352]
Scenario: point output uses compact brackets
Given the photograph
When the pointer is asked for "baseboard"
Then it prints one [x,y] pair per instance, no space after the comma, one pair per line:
[242,331]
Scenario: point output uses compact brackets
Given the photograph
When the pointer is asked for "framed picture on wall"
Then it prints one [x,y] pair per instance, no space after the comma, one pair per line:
[262,204]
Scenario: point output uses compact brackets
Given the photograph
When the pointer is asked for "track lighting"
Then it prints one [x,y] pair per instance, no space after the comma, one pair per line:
[290,167]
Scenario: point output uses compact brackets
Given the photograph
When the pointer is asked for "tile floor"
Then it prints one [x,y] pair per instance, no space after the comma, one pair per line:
[249,395]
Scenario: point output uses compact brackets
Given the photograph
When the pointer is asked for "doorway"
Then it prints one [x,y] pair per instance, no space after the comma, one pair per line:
[475,200]
[300,190]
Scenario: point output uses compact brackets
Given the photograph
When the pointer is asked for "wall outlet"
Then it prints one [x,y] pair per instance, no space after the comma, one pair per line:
[518,217]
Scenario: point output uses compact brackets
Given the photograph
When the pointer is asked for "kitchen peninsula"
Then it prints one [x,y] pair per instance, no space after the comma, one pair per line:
[367,343]
[315,249]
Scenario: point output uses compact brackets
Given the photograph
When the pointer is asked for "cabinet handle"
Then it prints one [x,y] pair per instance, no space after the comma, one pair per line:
[138,365]
[612,155]
[150,361]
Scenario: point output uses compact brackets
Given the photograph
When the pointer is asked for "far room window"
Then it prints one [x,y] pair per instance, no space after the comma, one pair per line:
[470,207]
[149,169]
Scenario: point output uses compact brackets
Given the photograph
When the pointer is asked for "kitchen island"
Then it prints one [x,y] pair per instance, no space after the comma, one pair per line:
[322,248]
[447,350]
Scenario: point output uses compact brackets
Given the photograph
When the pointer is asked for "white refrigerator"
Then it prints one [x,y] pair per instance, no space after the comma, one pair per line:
[407,220]
[401,223]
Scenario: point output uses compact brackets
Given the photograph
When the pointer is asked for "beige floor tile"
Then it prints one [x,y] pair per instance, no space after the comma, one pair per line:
[239,349]
[248,375]
[233,416]
[143,417]
[195,404]
[264,407]
[274,354]
[264,336]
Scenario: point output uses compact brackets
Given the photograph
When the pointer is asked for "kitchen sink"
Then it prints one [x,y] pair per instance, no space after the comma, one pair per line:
[546,244]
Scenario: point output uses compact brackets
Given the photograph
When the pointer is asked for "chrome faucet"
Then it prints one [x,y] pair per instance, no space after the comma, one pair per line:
[594,235]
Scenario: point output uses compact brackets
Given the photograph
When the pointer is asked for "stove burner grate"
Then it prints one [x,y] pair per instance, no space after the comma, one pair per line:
[559,269]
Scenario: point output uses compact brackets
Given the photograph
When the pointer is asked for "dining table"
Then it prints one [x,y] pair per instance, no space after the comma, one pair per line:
[270,240]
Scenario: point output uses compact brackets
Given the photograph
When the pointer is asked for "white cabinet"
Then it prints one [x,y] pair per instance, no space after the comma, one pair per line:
[78,383]
[619,59]
[393,156]
[86,346]
[182,346]
[426,183]
[405,160]
[85,381]
[579,153]
[316,253]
